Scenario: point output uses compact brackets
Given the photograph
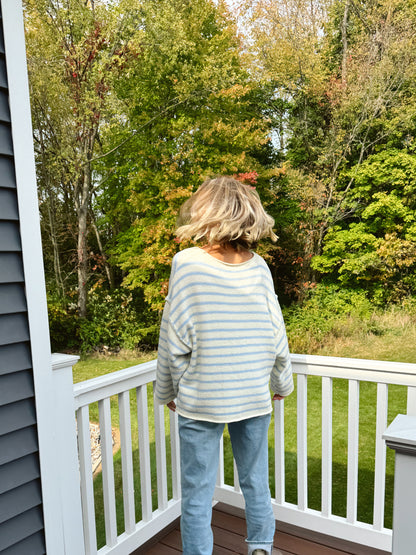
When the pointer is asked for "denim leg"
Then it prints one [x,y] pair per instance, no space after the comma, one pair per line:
[199,447]
[250,448]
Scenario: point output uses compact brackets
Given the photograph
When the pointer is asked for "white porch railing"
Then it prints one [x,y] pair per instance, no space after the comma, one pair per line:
[323,521]
[101,390]
[153,519]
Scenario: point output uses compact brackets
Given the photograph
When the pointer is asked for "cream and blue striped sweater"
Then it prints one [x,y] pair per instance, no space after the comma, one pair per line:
[222,339]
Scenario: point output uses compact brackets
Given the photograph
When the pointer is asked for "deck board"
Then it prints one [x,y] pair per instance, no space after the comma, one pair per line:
[229,539]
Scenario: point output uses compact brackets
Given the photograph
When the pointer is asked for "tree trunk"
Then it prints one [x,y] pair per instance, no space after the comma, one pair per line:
[54,241]
[51,216]
[82,212]
[344,38]
[107,267]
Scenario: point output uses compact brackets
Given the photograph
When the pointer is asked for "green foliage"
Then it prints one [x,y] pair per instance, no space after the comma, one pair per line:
[352,251]
[193,112]
[116,320]
[378,252]
[344,322]
[326,307]
[64,326]
[347,78]
[135,103]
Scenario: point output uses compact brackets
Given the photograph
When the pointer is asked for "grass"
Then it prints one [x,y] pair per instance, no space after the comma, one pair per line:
[382,336]
[94,366]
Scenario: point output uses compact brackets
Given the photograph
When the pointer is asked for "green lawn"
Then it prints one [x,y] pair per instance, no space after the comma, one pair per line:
[93,367]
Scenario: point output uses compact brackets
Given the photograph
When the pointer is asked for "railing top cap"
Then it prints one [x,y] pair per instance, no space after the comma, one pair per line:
[354,363]
[61,360]
[108,380]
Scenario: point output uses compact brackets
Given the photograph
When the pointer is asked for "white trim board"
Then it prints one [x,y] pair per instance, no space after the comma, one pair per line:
[16,64]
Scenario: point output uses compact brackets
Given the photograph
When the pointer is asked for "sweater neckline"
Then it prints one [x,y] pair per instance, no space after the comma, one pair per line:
[233,265]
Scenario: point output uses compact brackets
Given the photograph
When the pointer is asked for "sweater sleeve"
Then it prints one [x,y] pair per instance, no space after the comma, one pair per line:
[281,378]
[173,354]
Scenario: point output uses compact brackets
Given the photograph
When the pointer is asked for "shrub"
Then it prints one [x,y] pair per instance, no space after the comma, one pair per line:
[64,325]
[117,319]
[327,309]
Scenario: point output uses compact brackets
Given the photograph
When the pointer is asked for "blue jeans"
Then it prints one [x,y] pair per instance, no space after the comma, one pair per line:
[199,446]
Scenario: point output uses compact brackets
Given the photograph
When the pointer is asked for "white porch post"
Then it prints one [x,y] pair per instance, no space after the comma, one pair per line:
[401,436]
[411,401]
[67,454]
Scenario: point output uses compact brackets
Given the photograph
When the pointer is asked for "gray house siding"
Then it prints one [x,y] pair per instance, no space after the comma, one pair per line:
[21,515]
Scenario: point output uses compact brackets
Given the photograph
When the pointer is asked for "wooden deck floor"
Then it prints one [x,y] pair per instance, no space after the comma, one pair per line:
[229,533]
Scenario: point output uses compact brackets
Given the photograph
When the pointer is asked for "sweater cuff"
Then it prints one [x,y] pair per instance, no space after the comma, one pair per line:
[285,390]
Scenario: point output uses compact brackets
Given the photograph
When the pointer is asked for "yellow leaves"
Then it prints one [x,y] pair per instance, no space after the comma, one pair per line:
[397,253]
[276,172]
[164,288]
[235,135]
[177,193]
[157,234]
[287,34]
[236,91]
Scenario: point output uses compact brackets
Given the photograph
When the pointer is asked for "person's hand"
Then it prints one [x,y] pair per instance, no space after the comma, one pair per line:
[172,406]
[277,397]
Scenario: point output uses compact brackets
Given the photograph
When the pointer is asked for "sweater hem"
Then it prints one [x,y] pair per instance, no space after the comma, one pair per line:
[224,420]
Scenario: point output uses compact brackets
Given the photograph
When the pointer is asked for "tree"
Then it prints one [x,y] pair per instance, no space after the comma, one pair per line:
[76,51]
[378,247]
[345,79]
[191,112]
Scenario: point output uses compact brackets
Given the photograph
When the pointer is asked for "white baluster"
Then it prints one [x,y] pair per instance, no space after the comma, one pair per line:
[144,452]
[302,442]
[236,481]
[326,496]
[279,446]
[160,440]
[411,401]
[353,433]
[380,463]
[220,474]
[109,495]
[175,455]
[127,461]
[87,487]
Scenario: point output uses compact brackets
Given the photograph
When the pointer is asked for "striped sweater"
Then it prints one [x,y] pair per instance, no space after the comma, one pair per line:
[222,339]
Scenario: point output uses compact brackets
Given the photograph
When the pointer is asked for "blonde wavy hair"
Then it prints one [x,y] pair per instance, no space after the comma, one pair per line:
[224,210]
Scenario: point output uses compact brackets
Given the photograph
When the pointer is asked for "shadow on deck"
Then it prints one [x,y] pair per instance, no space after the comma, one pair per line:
[230,531]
